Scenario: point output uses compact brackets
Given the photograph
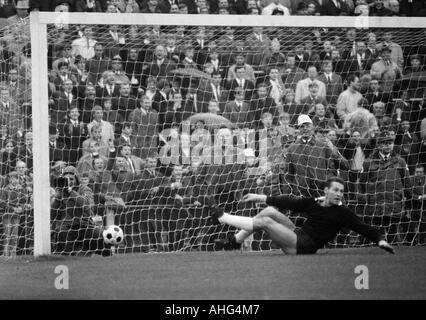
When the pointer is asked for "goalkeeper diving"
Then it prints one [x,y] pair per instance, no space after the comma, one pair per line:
[325,217]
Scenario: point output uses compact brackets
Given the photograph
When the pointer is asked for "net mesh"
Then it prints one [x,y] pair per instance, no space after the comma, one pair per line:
[156,123]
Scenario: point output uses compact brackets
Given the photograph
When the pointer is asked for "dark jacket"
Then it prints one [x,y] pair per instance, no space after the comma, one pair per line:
[385,184]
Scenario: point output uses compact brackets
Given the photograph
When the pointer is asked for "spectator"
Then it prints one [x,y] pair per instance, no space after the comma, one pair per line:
[378,9]
[88,6]
[312,99]
[126,137]
[216,59]
[336,8]
[275,5]
[8,158]
[125,102]
[119,73]
[287,132]
[135,164]
[85,45]
[100,62]
[308,162]
[348,99]
[74,133]
[144,121]
[107,129]
[276,86]
[396,55]
[73,229]
[96,136]
[65,55]
[333,82]
[107,86]
[375,94]
[160,66]
[214,90]
[63,74]
[408,144]
[261,103]
[248,73]
[57,151]
[85,163]
[81,76]
[14,199]
[362,121]
[238,111]
[187,61]
[292,74]
[416,64]
[25,152]
[302,88]
[241,82]
[385,201]
[153,7]
[413,8]
[24,175]
[273,57]
[134,69]
[86,104]
[257,45]
[62,101]
[394,7]
[10,113]
[320,120]
[417,224]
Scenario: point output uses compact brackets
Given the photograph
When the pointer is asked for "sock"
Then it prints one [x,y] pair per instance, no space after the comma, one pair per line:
[245,223]
[241,235]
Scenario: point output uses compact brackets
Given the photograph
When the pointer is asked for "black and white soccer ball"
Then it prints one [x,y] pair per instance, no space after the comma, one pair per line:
[113,235]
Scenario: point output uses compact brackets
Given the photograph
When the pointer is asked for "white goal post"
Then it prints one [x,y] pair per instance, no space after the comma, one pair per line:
[39,48]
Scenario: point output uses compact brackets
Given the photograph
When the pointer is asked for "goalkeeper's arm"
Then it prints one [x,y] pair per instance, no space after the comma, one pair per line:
[283,202]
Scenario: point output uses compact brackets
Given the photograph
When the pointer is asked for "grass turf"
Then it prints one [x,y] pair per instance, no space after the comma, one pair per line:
[221,275]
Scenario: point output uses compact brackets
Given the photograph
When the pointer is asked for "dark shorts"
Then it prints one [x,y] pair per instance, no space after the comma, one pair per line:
[305,244]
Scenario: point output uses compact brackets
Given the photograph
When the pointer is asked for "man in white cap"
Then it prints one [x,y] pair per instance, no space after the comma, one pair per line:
[308,162]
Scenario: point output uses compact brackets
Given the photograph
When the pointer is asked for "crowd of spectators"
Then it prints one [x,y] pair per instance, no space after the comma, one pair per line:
[315,102]
[264,7]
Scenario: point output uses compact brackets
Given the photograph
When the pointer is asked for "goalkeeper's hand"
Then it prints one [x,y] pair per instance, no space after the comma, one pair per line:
[386,246]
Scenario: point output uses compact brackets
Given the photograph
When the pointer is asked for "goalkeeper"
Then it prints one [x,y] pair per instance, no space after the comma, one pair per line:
[325,217]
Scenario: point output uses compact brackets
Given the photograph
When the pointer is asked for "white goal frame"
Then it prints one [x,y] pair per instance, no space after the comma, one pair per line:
[39,47]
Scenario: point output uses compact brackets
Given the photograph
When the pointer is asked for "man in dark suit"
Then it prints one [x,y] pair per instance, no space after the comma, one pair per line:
[160,100]
[241,82]
[25,152]
[99,63]
[216,60]
[375,94]
[57,150]
[107,86]
[214,90]
[125,102]
[261,103]
[333,82]
[160,66]
[238,111]
[74,132]
[62,101]
[335,8]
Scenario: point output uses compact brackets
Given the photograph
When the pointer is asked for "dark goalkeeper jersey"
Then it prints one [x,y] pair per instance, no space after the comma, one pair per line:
[323,223]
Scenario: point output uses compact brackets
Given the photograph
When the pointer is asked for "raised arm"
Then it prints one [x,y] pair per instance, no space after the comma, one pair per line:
[283,202]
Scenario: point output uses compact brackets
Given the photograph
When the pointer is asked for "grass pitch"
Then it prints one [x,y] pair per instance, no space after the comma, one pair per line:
[330,274]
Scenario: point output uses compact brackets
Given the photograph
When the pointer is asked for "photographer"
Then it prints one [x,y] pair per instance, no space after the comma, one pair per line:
[73,228]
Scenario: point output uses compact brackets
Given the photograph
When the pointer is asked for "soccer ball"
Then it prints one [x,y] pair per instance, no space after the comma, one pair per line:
[113,235]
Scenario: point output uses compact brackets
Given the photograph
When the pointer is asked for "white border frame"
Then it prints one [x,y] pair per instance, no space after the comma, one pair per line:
[39,21]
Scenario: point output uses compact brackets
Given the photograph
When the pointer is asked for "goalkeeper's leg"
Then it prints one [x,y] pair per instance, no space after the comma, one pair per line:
[270,212]
[281,232]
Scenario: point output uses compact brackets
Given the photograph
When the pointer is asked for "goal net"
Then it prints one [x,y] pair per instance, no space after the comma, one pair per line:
[154,118]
